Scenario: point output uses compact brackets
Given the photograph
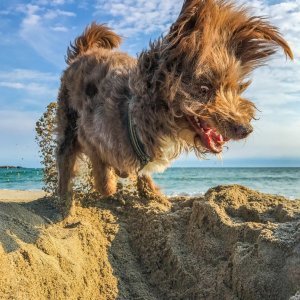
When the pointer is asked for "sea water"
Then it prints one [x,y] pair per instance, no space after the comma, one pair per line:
[186,181]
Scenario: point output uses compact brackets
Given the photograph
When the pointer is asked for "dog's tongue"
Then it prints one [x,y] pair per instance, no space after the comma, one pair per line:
[210,138]
[213,141]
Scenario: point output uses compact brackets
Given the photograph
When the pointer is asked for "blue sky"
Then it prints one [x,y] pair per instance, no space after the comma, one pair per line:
[34,36]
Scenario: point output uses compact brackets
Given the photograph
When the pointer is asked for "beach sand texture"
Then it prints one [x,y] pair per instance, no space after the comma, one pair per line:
[233,243]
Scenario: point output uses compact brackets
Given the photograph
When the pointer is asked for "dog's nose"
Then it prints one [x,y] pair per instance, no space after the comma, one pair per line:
[243,131]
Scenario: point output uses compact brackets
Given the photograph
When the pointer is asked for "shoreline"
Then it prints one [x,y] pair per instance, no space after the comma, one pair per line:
[20,195]
[15,195]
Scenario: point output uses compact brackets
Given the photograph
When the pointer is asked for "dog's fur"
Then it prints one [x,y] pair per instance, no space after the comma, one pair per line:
[200,68]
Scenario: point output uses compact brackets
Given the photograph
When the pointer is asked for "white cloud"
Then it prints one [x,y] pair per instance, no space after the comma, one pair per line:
[53,2]
[58,2]
[40,30]
[33,88]
[26,74]
[13,85]
[130,17]
[31,20]
[37,87]
[60,28]
[55,13]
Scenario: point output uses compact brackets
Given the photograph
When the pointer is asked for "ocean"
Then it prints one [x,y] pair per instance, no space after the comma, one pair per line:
[186,181]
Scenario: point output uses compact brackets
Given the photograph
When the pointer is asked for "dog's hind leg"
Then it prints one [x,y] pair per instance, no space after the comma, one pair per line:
[66,153]
[66,157]
[105,180]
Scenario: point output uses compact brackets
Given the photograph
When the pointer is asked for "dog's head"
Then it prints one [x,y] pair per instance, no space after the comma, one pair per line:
[201,69]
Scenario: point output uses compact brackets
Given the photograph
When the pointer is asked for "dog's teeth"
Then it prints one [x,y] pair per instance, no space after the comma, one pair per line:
[197,121]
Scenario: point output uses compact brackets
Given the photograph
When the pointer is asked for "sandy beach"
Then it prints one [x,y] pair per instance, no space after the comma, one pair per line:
[233,243]
[23,196]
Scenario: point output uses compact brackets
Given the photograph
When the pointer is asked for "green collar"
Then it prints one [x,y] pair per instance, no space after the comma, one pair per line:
[137,145]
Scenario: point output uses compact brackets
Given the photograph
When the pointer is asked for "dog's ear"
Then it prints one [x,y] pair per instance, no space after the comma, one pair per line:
[185,33]
[255,40]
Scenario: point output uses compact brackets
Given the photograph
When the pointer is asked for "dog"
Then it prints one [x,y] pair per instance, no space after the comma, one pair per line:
[184,93]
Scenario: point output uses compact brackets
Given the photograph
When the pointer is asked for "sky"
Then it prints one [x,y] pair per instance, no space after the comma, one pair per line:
[34,36]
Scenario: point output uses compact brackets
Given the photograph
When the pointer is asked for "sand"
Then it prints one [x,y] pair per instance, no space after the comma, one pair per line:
[17,196]
[233,243]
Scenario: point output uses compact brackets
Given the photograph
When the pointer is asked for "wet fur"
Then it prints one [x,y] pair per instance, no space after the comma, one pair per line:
[212,42]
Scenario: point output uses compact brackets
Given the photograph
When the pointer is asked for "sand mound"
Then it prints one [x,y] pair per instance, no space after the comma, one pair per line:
[233,243]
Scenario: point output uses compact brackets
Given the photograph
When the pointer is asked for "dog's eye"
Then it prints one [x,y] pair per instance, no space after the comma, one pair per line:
[205,93]
[204,90]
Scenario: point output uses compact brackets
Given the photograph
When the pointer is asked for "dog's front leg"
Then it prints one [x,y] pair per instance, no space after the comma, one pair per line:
[104,177]
[149,191]
[146,186]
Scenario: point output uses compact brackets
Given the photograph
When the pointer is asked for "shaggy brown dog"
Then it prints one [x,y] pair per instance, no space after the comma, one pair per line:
[135,115]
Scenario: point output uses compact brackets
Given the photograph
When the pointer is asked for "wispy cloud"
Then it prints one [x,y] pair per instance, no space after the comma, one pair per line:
[13,85]
[55,13]
[53,2]
[285,15]
[130,17]
[26,74]
[35,88]
[41,30]
[60,28]
[276,87]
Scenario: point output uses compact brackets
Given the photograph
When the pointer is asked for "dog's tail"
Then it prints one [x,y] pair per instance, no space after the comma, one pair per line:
[94,36]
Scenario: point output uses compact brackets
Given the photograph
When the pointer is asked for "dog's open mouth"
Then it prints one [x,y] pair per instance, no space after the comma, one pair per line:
[211,139]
